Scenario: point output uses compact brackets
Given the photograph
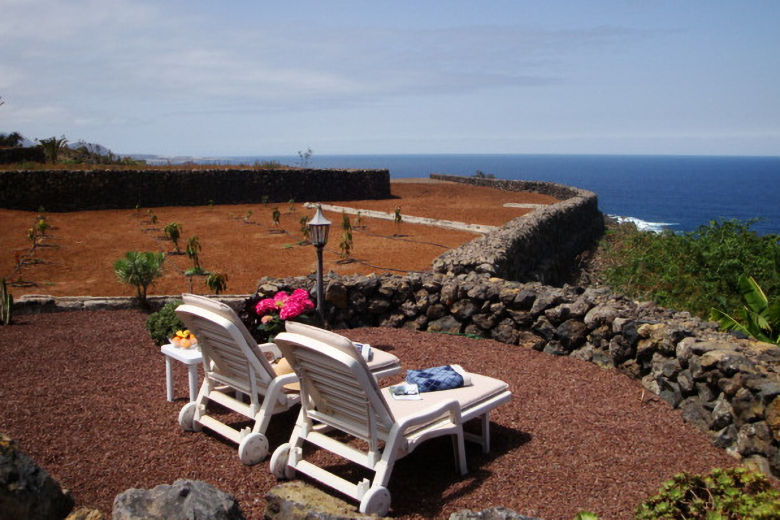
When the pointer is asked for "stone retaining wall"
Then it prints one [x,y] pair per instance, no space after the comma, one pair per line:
[540,246]
[727,387]
[66,190]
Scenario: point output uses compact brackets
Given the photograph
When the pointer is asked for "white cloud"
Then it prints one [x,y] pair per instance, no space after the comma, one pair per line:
[142,70]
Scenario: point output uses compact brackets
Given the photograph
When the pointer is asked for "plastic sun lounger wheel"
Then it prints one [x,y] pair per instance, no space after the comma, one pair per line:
[253,448]
[187,417]
[376,501]
[279,466]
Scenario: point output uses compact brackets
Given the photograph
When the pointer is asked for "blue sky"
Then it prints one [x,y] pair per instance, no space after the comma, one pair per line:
[355,77]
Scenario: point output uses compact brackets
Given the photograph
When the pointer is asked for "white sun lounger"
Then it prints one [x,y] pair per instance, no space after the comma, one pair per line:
[338,393]
[233,363]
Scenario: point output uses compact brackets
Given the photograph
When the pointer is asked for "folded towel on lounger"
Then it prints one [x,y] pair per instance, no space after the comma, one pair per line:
[364,349]
[438,378]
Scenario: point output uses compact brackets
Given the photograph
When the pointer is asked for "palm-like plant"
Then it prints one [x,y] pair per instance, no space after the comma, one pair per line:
[172,232]
[193,252]
[759,318]
[305,231]
[52,147]
[346,241]
[217,282]
[397,218]
[140,269]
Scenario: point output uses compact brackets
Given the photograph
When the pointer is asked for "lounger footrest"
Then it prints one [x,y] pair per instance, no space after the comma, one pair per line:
[230,402]
[340,449]
[326,477]
[221,428]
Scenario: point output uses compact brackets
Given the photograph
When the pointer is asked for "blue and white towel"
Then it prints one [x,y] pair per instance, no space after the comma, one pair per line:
[365,350]
[438,378]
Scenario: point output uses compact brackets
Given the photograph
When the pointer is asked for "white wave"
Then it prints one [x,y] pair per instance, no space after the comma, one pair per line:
[644,225]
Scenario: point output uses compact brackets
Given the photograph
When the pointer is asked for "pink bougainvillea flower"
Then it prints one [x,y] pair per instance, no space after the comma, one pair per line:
[264,306]
[290,310]
[280,298]
[300,294]
[288,305]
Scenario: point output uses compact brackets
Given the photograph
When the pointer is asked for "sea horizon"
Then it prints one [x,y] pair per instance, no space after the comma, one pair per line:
[657,192]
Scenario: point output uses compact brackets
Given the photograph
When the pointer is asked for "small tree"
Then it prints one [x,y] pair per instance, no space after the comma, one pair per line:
[52,147]
[139,269]
[172,232]
[305,231]
[345,245]
[305,157]
[275,214]
[217,282]
[397,219]
[193,253]
[32,236]
[14,139]
[42,225]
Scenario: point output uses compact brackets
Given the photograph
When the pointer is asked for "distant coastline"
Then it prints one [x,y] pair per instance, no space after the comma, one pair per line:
[673,192]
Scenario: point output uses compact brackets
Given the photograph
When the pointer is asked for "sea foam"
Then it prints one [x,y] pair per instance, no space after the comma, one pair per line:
[644,225]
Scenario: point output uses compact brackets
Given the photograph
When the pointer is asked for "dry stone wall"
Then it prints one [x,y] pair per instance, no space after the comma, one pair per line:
[68,190]
[540,246]
[726,386]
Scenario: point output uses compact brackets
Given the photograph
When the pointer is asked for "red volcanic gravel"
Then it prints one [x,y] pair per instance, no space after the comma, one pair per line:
[84,395]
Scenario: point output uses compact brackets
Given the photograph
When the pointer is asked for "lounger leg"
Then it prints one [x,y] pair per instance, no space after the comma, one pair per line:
[458,446]
[483,439]
[486,433]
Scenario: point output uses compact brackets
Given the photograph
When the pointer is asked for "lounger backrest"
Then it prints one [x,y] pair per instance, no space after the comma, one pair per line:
[336,386]
[329,338]
[222,343]
[229,314]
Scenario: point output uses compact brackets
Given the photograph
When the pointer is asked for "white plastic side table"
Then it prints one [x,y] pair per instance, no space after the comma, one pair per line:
[190,357]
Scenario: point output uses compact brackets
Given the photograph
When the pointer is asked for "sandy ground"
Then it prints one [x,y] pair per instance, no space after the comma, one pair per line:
[76,256]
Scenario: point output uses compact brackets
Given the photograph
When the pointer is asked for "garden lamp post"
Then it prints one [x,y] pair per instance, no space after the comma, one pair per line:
[318,230]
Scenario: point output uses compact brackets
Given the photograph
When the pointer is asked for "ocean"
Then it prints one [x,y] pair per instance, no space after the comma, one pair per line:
[656,192]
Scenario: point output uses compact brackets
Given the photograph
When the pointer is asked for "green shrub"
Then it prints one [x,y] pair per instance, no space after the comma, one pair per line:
[692,271]
[172,232]
[217,282]
[140,270]
[164,323]
[732,494]
[759,318]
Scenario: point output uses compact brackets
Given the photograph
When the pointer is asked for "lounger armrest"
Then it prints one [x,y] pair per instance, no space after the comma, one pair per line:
[428,414]
[277,385]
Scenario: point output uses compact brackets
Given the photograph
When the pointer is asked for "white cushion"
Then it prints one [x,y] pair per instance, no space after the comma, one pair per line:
[470,398]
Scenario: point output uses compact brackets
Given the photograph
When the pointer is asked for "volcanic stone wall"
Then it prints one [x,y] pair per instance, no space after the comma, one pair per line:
[540,246]
[726,386]
[67,190]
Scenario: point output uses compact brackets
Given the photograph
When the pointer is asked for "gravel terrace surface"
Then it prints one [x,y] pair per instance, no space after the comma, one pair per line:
[84,395]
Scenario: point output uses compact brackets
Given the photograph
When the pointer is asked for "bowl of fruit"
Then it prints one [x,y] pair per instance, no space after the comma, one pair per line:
[184,339]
